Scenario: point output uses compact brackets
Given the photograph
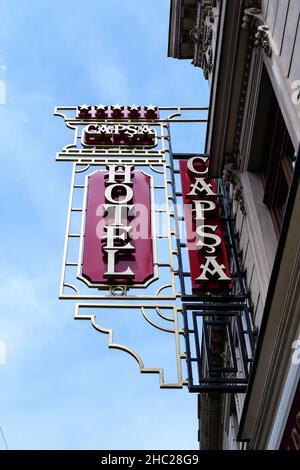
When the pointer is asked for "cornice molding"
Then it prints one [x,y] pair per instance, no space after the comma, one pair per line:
[182,18]
[231,50]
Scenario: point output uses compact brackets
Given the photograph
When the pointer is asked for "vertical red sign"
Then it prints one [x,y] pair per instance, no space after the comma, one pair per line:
[204,229]
[117,240]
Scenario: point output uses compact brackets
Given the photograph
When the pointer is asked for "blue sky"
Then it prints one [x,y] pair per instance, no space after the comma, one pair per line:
[61,388]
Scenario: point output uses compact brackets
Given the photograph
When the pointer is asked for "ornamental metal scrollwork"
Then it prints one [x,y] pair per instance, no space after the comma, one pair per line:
[176,331]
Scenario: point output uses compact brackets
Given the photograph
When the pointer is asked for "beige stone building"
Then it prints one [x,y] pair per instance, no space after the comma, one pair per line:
[249,50]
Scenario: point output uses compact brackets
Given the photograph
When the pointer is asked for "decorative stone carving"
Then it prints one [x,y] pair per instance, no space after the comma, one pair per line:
[250,23]
[239,197]
[231,176]
[254,21]
[202,34]
[262,39]
[250,17]
[195,34]
[232,159]
[227,175]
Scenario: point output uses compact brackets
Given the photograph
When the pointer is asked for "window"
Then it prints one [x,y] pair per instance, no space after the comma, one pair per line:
[277,163]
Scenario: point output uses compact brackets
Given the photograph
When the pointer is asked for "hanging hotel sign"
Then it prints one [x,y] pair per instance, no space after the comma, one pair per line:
[123,244]
[205,239]
[118,239]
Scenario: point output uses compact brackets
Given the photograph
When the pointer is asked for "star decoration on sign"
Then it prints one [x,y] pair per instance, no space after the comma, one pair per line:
[151,109]
[134,108]
[117,108]
[84,108]
[101,108]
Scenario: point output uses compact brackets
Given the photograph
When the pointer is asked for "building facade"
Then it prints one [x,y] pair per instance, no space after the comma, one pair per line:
[249,50]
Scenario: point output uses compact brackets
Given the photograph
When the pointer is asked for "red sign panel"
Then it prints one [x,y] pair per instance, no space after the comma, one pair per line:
[119,135]
[118,242]
[205,239]
[291,435]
